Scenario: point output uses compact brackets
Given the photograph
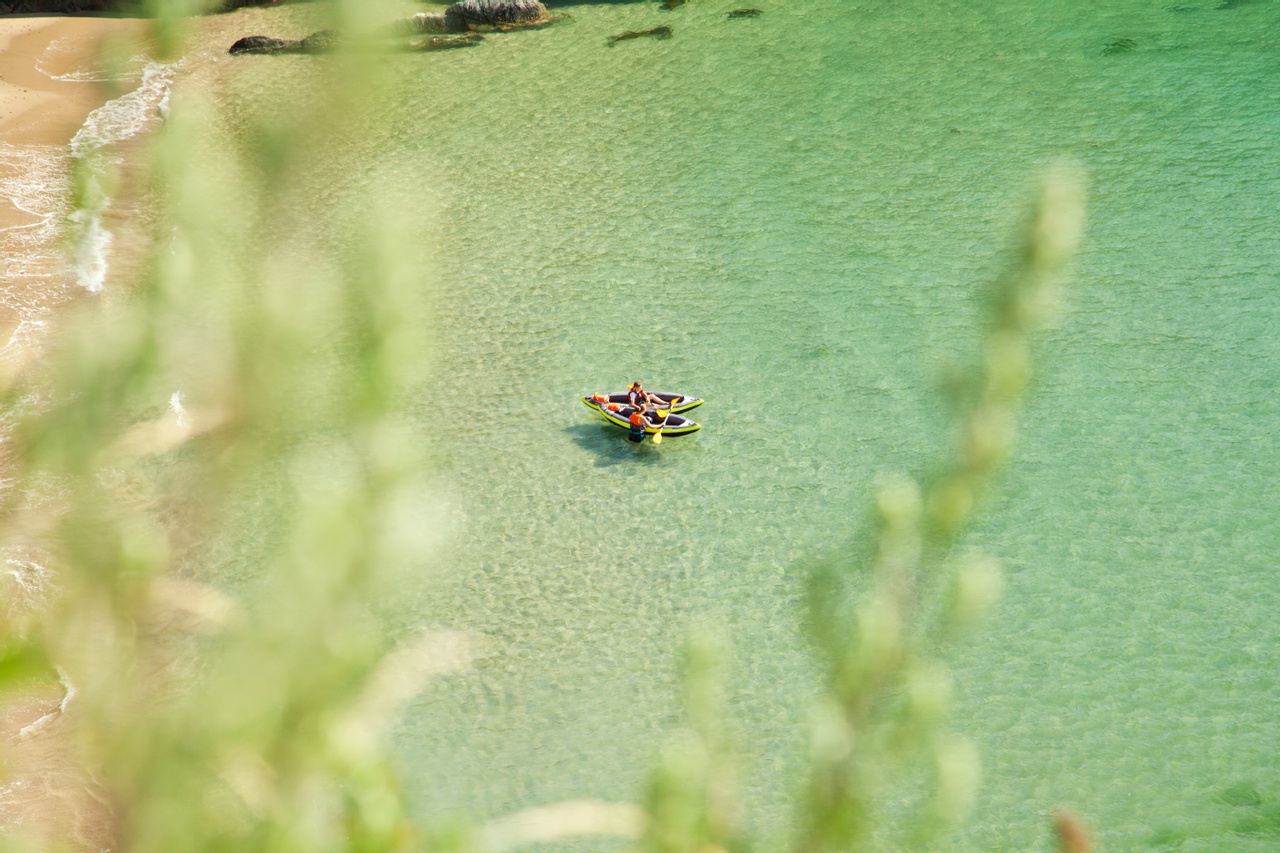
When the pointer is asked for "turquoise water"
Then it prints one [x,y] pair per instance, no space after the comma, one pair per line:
[792,216]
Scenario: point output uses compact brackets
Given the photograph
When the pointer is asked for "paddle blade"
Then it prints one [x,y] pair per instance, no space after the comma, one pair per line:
[657,436]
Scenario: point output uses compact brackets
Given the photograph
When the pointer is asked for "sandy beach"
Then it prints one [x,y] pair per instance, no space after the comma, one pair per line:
[47,88]
[50,82]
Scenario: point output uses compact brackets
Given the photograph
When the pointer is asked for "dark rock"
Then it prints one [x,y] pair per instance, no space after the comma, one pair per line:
[494,14]
[1119,46]
[265,45]
[656,32]
[448,42]
[324,41]
[671,4]
[745,13]
[232,5]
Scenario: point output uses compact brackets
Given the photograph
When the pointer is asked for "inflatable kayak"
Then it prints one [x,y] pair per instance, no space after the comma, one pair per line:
[683,402]
[620,415]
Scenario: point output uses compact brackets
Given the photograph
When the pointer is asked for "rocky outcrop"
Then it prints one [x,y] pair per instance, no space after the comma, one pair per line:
[495,14]
[264,45]
[420,24]
[473,15]
[232,5]
[321,42]
[461,19]
[745,13]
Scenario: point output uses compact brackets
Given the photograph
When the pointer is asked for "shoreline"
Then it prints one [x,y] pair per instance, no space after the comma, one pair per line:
[46,94]
[49,87]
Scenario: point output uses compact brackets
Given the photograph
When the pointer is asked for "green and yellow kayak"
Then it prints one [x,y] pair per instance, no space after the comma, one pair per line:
[619,414]
[682,402]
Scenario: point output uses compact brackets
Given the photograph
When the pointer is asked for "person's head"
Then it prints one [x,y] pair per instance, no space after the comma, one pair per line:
[635,385]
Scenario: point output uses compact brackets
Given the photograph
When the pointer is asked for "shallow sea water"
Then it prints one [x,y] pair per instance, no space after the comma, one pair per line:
[793,216]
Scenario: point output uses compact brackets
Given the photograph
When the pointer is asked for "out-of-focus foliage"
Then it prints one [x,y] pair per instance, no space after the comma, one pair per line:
[880,615]
[249,388]
[241,402]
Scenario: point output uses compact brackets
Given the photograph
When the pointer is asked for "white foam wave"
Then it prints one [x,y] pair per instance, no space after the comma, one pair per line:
[68,693]
[34,179]
[113,122]
[21,571]
[162,108]
[90,72]
[33,263]
[128,115]
[26,588]
[32,583]
[25,334]
[179,412]
[10,794]
[89,244]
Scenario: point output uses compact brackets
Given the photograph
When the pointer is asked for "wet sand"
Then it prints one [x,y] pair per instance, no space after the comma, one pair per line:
[35,107]
[48,88]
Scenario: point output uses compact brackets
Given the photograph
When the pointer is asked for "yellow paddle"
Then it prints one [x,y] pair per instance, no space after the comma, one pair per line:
[657,436]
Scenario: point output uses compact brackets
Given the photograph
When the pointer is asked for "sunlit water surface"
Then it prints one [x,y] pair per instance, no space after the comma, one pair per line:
[792,216]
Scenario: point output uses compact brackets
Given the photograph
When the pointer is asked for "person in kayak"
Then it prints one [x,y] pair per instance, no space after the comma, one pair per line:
[638,397]
[638,424]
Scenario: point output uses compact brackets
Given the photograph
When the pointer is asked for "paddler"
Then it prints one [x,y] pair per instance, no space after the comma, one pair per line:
[638,424]
[640,398]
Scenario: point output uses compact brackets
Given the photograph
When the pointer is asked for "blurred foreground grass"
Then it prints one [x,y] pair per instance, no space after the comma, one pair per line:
[258,371]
